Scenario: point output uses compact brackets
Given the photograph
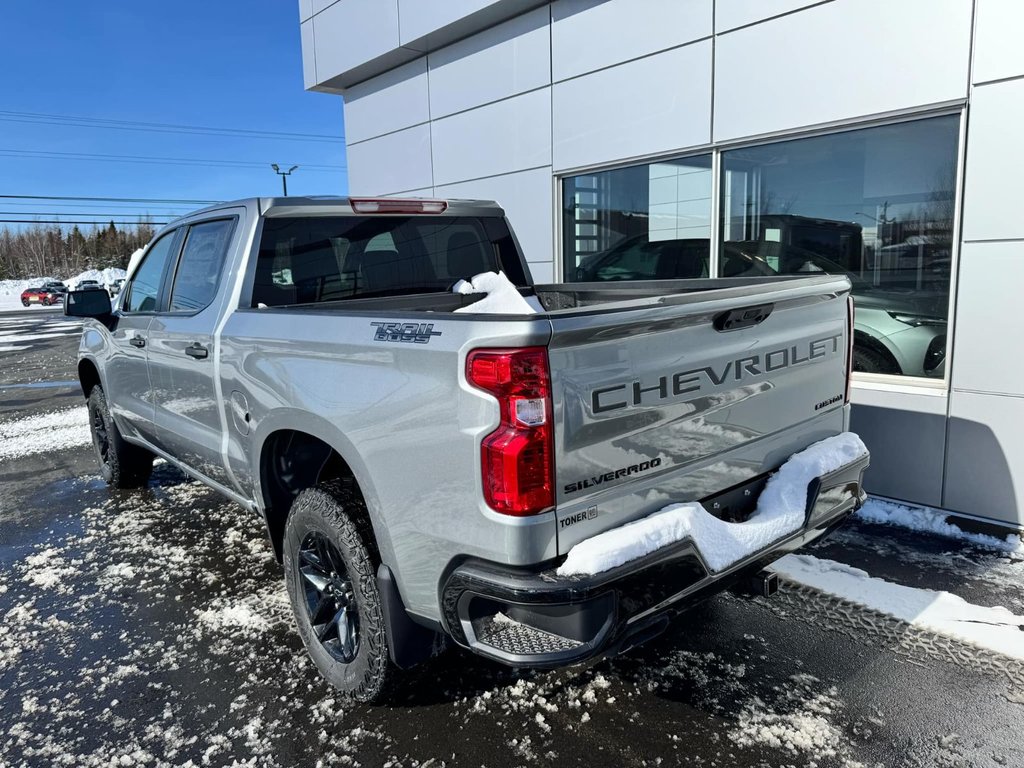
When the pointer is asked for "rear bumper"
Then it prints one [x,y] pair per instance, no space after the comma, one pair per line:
[535,618]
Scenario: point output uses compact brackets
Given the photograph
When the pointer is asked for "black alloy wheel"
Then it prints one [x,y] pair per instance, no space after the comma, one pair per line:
[100,437]
[122,464]
[329,597]
[330,570]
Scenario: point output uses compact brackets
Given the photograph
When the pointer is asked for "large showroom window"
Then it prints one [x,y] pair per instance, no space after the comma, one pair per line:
[639,223]
[876,204]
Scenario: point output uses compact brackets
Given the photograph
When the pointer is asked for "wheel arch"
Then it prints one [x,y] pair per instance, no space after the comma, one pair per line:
[88,376]
[866,340]
[298,450]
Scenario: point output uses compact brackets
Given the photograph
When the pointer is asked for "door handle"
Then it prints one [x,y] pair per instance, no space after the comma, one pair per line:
[137,341]
[196,350]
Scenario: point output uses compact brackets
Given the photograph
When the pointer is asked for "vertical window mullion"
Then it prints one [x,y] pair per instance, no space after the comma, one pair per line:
[716,212]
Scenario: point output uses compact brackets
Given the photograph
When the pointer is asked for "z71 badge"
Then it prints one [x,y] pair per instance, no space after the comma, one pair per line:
[412,333]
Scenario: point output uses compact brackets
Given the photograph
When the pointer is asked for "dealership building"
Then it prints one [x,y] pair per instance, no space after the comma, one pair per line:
[639,139]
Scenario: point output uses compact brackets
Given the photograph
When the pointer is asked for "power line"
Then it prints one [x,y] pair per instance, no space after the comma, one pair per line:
[111,199]
[106,215]
[123,207]
[62,221]
[186,161]
[135,125]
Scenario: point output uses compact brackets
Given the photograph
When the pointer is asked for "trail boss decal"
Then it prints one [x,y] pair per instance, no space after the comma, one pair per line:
[674,385]
[413,333]
[607,477]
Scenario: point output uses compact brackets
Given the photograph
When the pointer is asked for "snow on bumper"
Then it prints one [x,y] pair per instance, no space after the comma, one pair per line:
[781,511]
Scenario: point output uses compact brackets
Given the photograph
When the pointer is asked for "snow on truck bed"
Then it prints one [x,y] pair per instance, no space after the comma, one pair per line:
[502,298]
[780,512]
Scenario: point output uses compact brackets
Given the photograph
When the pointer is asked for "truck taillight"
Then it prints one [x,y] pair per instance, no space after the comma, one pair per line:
[517,458]
[849,346]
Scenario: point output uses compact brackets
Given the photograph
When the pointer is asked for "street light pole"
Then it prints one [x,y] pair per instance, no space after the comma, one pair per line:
[284,176]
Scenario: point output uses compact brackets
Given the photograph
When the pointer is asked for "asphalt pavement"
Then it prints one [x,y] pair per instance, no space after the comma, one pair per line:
[151,628]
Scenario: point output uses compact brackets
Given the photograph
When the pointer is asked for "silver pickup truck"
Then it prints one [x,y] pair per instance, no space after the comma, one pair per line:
[424,469]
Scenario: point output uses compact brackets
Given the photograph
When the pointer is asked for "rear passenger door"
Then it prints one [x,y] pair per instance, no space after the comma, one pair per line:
[182,355]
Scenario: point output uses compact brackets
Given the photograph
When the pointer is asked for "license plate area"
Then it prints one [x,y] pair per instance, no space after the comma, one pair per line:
[736,504]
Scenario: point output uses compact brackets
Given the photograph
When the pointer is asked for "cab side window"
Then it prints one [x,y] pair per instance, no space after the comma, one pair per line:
[144,288]
[199,268]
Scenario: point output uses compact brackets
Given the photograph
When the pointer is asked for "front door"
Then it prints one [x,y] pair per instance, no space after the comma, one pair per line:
[129,389]
[182,357]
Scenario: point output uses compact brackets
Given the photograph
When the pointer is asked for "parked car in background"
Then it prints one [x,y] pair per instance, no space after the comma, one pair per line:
[89,285]
[115,287]
[56,286]
[897,330]
[41,295]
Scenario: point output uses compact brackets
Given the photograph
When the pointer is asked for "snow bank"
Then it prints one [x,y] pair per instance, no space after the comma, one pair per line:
[103,276]
[933,521]
[502,298]
[780,511]
[996,628]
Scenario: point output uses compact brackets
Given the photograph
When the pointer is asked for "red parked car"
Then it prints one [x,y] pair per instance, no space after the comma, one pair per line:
[44,295]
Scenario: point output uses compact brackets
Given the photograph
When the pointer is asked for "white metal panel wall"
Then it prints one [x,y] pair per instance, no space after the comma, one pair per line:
[989,321]
[655,104]
[586,36]
[395,162]
[985,457]
[985,446]
[841,60]
[730,14]
[319,5]
[389,102]
[308,56]
[337,45]
[527,199]
[509,135]
[506,60]
[420,18]
[995,162]
[998,52]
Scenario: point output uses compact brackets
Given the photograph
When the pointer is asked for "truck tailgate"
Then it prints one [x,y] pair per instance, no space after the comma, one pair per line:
[647,399]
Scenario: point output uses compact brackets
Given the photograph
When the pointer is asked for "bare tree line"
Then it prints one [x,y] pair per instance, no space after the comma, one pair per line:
[56,251]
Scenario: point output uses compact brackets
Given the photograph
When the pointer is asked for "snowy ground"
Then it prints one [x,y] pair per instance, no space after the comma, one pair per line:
[151,629]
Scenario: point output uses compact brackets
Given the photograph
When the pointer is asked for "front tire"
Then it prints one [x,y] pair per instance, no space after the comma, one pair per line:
[332,584]
[868,360]
[122,464]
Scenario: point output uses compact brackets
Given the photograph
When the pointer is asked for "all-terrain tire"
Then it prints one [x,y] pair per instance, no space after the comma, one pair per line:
[122,464]
[338,514]
[868,360]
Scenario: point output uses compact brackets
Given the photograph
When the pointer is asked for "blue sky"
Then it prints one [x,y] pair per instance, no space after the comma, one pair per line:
[220,63]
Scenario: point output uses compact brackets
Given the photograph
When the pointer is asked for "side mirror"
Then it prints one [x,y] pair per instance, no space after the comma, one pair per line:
[87,304]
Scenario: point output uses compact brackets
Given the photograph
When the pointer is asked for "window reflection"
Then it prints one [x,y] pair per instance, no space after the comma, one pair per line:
[645,222]
[876,204]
